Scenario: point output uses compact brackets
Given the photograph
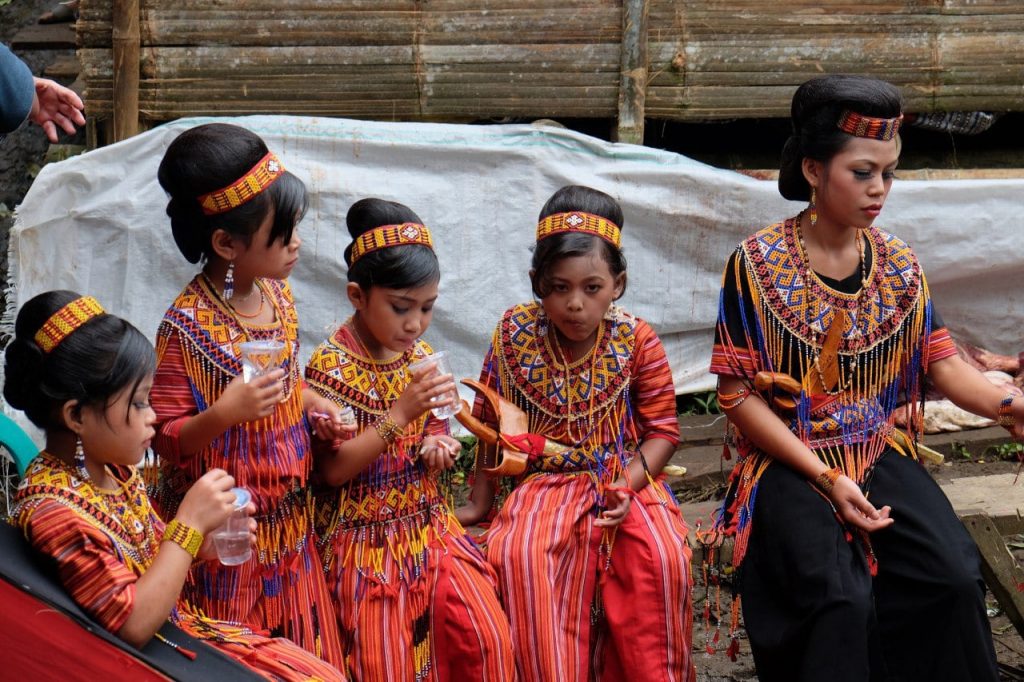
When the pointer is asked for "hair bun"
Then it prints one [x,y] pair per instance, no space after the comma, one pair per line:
[186,219]
[23,366]
[792,183]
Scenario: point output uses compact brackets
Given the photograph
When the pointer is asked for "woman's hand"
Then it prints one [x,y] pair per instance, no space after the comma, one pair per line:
[854,508]
[209,502]
[424,392]
[245,402]
[440,452]
[324,416]
[617,500]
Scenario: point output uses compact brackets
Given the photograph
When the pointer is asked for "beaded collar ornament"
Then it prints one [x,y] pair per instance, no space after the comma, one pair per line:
[855,124]
[386,236]
[66,320]
[256,179]
[577,221]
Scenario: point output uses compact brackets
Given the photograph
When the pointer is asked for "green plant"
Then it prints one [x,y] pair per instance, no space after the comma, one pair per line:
[1009,450]
[960,450]
[705,402]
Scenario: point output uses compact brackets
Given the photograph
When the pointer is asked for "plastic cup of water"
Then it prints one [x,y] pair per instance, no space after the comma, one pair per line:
[442,366]
[259,358]
[232,539]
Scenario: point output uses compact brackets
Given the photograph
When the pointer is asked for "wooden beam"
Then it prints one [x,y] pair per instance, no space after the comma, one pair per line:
[633,77]
[125,43]
[1002,573]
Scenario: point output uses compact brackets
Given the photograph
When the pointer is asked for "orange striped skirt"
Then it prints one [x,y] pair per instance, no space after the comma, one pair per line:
[578,615]
[434,617]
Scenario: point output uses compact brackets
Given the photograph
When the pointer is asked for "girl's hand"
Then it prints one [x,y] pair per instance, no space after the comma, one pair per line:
[423,393]
[325,417]
[208,552]
[209,502]
[617,500]
[245,402]
[440,452]
[854,508]
[1017,431]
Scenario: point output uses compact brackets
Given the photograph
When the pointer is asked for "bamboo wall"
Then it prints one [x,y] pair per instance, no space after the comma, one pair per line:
[466,59]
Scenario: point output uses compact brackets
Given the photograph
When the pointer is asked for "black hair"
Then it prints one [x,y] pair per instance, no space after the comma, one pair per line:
[397,267]
[92,365]
[550,250]
[817,107]
[210,157]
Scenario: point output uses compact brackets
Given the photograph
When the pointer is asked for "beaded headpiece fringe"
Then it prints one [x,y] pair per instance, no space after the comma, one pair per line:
[855,124]
[62,323]
[244,189]
[577,221]
[386,236]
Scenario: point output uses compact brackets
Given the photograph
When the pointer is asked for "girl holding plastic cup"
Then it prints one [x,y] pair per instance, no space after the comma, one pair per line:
[84,377]
[415,598]
[228,391]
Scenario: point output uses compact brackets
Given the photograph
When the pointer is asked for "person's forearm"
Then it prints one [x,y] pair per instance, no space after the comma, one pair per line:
[966,387]
[200,430]
[156,593]
[656,452]
[769,433]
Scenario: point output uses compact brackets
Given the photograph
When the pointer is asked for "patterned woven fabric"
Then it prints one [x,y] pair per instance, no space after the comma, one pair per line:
[395,556]
[197,356]
[775,315]
[103,541]
[585,603]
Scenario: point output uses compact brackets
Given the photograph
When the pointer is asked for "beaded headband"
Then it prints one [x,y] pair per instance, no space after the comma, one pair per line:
[865,126]
[255,180]
[66,320]
[577,221]
[386,236]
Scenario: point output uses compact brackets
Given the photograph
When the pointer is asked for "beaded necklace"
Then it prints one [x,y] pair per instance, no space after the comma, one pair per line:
[564,366]
[828,352]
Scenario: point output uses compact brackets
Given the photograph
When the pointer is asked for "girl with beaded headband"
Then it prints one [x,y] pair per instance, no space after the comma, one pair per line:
[84,377]
[850,553]
[234,207]
[590,546]
[415,598]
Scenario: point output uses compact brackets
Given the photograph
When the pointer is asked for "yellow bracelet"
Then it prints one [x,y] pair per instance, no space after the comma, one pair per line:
[186,537]
[387,429]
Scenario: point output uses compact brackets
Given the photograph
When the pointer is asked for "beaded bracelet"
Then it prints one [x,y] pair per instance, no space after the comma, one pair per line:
[728,401]
[1006,416]
[186,537]
[387,429]
[826,480]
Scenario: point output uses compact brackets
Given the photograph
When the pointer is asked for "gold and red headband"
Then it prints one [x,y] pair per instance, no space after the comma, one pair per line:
[66,320]
[577,221]
[855,124]
[386,236]
[256,179]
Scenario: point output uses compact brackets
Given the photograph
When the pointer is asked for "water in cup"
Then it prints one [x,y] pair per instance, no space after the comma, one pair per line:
[260,357]
[442,366]
[232,539]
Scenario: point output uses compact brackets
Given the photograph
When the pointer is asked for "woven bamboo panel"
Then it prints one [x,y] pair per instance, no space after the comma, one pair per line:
[466,59]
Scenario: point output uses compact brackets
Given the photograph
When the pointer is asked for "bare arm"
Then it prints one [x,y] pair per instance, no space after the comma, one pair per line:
[206,506]
[762,426]
[970,390]
[482,495]
[240,402]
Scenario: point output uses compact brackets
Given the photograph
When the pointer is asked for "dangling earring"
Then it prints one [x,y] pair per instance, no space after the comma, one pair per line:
[813,207]
[83,473]
[229,282]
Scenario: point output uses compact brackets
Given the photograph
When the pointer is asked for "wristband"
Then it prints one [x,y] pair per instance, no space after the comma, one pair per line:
[1006,416]
[826,480]
[186,537]
[387,429]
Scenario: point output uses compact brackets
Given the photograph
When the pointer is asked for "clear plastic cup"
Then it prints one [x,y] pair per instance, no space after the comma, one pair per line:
[443,367]
[260,357]
[232,539]
[348,417]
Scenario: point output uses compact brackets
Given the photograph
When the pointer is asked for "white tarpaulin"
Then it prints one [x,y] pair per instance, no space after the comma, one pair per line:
[96,224]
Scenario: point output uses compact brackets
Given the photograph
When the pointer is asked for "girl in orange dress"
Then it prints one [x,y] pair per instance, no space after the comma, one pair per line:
[84,377]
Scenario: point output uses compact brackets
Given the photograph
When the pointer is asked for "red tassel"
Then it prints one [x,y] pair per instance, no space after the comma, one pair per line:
[710,650]
[716,637]
[733,650]
[726,452]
